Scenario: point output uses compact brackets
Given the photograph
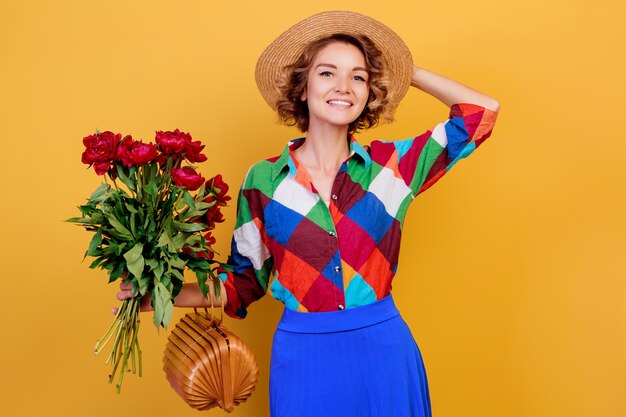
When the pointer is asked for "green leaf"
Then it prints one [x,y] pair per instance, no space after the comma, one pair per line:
[133,224]
[134,260]
[163,305]
[201,205]
[76,220]
[167,314]
[130,208]
[201,276]
[100,193]
[86,220]
[152,263]
[200,195]
[116,272]
[188,199]
[188,227]
[119,248]
[179,241]
[121,173]
[178,274]
[176,262]
[96,262]
[158,271]
[144,282]
[87,209]
[166,240]
[193,240]
[119,227]
[95,243]
[151,190]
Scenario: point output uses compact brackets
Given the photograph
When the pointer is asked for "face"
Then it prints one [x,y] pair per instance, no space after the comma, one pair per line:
[337,86]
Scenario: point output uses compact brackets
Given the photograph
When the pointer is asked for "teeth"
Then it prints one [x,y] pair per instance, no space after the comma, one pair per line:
[339,103]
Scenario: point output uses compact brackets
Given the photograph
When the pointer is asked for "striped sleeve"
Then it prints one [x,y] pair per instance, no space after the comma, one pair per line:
[428,157]
[250,258]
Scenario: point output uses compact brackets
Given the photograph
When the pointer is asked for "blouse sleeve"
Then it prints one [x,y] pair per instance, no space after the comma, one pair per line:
[423,160]
[250,259]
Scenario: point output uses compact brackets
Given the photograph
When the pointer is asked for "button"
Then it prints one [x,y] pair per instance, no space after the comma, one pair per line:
[334,196]
[331,232]
[337,268]
[340,307]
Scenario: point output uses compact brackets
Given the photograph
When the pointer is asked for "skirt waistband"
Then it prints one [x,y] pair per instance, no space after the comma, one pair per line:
[340,320]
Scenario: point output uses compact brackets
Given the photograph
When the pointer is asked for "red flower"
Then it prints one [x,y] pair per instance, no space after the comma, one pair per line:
[219,189]
[135,153]
[179,143]
[210,239]
[213,215]
[187,178]
[193,152]
[100,150]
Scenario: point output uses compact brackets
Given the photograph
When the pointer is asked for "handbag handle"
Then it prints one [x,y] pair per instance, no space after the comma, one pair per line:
[212,318]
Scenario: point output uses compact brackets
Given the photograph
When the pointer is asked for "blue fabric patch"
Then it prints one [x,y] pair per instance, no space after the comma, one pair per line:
[283,294]
[457,136]
[465,152]
[289,219]
[330,273]
[403,146]
[369,213]
[359,292]
[237,261]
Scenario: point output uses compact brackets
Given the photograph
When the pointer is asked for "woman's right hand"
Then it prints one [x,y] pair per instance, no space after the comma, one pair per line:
[126,292]
[189,296]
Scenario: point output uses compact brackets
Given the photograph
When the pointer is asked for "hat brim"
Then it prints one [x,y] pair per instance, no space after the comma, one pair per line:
[288,47]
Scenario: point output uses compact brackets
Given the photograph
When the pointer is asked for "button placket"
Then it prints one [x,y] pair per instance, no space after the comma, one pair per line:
[333,234]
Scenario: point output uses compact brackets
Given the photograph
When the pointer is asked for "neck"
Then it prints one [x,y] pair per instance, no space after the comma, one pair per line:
[325,148]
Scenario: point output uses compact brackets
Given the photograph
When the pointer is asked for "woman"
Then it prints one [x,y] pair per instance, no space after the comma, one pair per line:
[324,218]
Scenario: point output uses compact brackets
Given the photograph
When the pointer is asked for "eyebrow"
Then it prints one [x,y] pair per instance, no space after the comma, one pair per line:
[335,67]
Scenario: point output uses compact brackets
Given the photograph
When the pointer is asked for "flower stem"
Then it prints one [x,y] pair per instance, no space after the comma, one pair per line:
[125,345]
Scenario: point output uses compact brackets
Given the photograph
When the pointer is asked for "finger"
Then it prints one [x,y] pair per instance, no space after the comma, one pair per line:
[114,310]
[125,286]
[124,295]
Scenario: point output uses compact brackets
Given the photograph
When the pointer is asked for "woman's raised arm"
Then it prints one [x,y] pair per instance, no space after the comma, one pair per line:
[450,92]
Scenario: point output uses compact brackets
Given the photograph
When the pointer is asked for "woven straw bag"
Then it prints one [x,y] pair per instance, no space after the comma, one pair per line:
[207,364]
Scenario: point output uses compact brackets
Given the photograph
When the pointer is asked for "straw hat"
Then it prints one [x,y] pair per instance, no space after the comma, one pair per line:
[288,47]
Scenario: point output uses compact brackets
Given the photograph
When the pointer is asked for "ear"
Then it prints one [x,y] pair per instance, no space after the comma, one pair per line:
[303,96]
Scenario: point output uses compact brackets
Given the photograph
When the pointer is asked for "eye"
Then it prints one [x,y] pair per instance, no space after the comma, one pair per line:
[326,74]
[359,78]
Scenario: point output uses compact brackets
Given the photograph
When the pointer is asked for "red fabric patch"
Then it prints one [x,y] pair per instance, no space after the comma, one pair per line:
[323,296]
[355,244]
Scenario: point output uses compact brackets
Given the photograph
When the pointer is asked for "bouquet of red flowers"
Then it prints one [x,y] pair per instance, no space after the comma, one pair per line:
[148,227]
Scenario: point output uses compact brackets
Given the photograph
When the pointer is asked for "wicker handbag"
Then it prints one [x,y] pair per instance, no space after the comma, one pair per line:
[207,364]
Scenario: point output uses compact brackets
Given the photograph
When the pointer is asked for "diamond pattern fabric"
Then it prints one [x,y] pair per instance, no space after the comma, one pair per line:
[315,257]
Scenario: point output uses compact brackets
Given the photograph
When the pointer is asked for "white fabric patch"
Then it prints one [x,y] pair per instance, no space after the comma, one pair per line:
[295,196]
[439,134]
[249,244]
[390,190]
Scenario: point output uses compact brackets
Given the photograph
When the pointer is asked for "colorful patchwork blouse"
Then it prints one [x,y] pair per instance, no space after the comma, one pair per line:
[316,257]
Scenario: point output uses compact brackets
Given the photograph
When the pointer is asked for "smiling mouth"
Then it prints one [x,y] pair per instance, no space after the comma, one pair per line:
[339,103]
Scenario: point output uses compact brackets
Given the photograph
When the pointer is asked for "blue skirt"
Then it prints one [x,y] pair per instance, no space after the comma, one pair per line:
[360,362]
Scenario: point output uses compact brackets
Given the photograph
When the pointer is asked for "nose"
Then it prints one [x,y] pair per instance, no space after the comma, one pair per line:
[342,85]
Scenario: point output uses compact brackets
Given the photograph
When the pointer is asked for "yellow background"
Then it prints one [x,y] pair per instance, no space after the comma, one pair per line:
[512,273]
